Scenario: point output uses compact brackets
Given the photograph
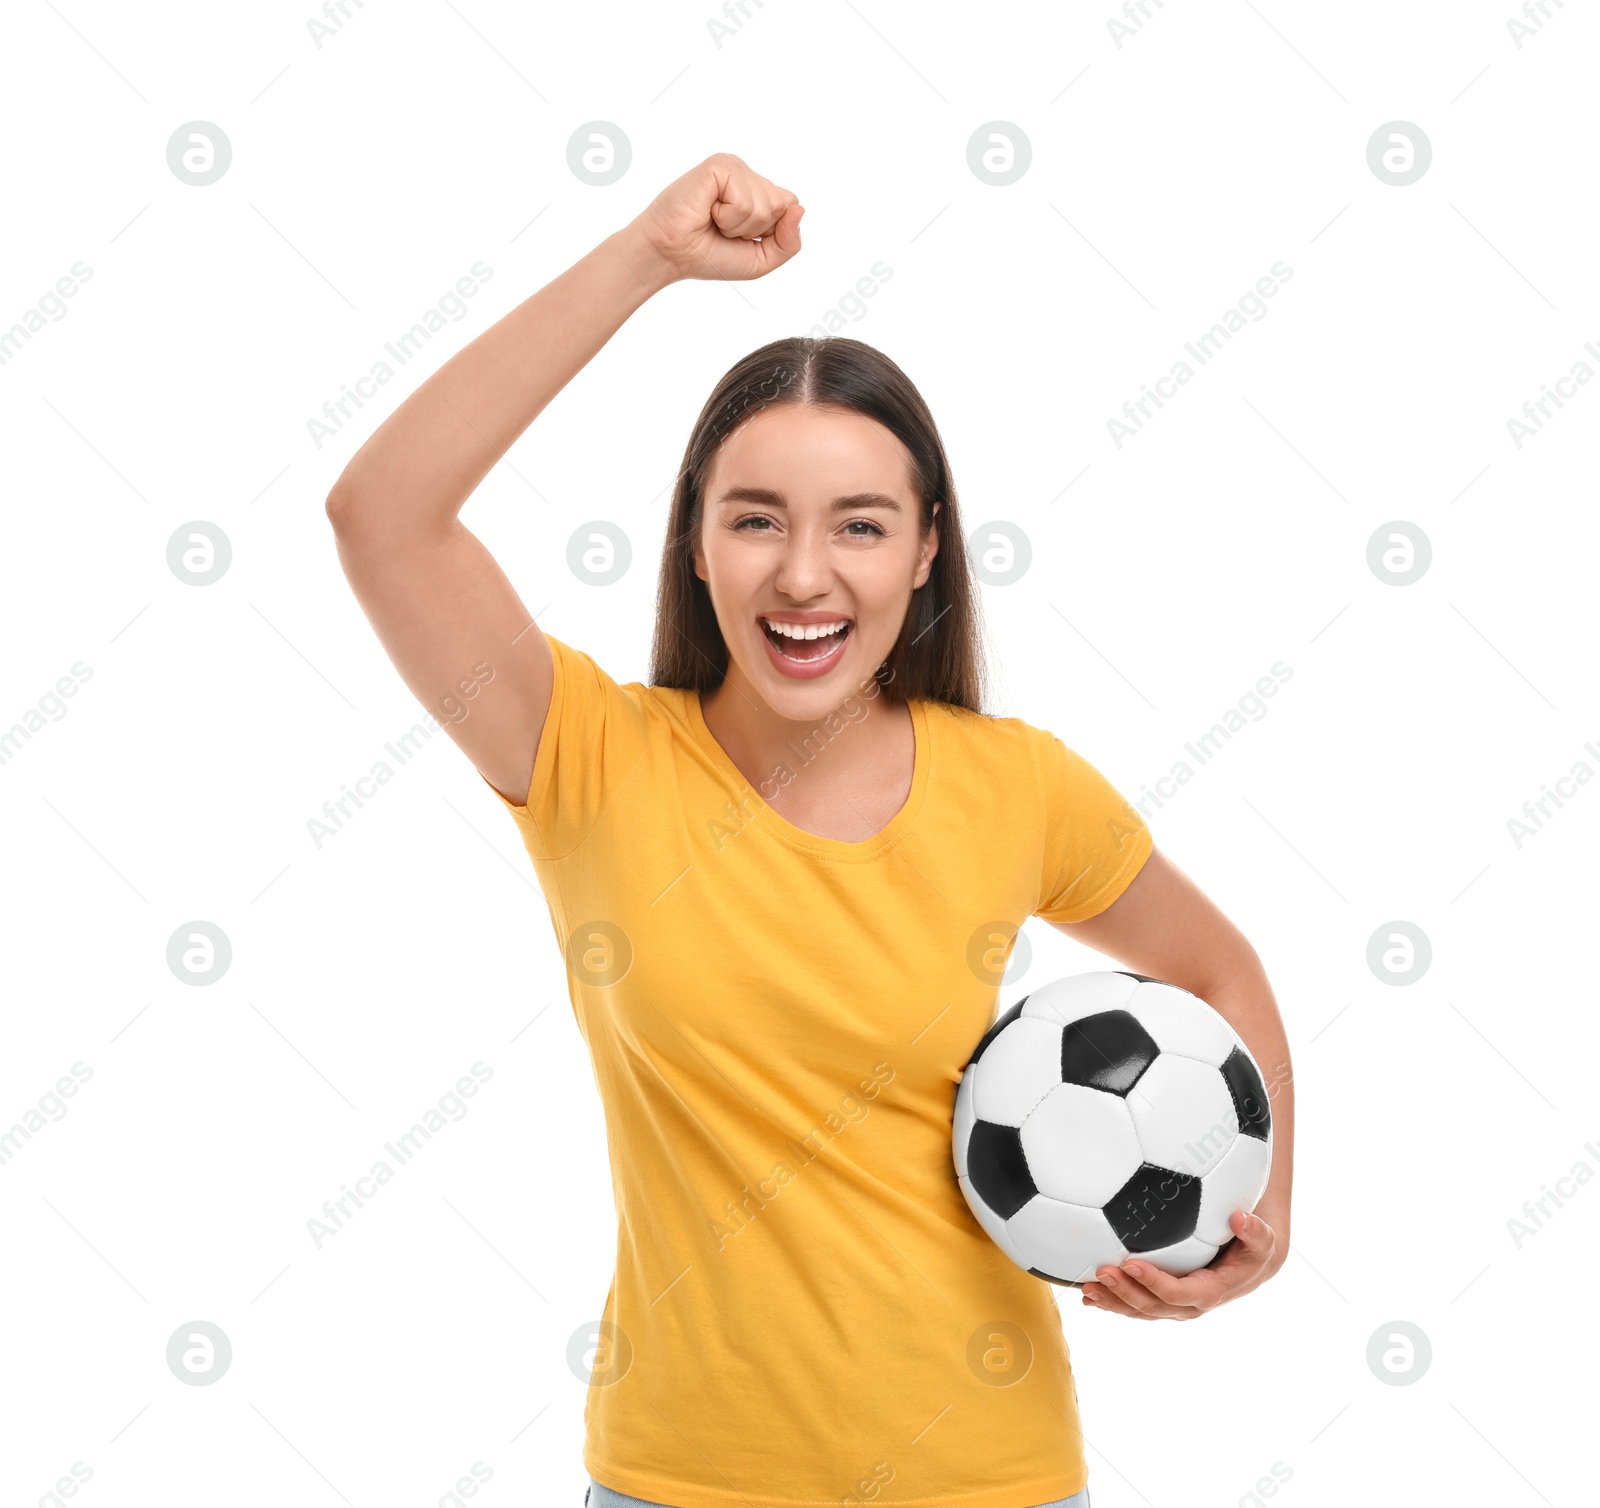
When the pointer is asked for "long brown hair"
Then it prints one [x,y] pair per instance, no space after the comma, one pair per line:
[939,653]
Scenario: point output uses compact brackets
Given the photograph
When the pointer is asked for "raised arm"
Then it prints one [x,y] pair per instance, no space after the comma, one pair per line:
[449,618]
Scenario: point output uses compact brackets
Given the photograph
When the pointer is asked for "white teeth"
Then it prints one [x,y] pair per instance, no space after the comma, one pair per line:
[805,630]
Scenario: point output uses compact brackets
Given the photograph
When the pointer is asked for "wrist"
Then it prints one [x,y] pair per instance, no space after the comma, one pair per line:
[645,267]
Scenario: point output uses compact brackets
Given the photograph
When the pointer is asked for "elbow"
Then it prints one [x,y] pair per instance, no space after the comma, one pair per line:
[343,506]
[337,506]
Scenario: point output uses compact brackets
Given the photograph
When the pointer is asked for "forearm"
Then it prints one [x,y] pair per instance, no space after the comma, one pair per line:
[1245,1000]
[416,470]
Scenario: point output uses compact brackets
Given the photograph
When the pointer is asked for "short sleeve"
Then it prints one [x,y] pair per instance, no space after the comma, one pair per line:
[593,733]
[1094,841]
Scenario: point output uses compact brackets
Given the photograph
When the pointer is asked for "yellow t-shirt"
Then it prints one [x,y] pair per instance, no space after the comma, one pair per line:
[804,1311]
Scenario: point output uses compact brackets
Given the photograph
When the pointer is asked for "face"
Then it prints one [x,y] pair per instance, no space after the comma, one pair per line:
[810,525]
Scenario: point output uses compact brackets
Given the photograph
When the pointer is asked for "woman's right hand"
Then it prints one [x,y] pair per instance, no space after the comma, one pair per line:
[704,224]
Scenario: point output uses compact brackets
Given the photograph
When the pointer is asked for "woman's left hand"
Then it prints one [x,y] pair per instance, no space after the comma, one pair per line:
[1142,1291]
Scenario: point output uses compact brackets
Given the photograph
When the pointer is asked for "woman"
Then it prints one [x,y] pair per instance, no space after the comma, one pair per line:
[784,875]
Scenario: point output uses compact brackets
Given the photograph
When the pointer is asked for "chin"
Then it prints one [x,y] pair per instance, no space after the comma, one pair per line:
[801,704]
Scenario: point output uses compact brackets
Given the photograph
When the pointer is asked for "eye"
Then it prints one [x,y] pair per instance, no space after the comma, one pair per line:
[869,523]
[754,518]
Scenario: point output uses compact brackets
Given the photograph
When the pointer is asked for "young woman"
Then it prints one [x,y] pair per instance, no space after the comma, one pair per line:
[784,875]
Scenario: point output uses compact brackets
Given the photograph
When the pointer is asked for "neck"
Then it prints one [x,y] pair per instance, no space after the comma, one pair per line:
[852,731]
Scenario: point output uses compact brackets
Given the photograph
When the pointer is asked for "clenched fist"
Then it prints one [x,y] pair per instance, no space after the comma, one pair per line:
[722,220]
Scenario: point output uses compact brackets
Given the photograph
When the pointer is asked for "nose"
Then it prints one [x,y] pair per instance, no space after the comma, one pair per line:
[805,571]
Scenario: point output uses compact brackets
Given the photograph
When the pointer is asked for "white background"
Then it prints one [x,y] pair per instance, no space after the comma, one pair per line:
[1167,175]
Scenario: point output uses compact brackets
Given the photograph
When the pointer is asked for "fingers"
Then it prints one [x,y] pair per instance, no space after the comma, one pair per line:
[737,191]
[1141,1290]
[1254,1235]
[1138,1293]
[1193,1293]
[1250,1228]
[1120,1298]
[1097,1296]
[745,218]
[747,204]
[1162,1286]
[785,237]
[778,241]
[734,215]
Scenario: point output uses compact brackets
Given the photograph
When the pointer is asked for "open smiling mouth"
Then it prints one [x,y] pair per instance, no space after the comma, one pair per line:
[808,643]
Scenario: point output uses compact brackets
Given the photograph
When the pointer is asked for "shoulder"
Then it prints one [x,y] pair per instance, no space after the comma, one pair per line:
[581,678]
[993,746]
[1013,754]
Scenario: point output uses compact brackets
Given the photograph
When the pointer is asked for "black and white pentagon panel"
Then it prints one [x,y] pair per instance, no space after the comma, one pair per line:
[1106,1114]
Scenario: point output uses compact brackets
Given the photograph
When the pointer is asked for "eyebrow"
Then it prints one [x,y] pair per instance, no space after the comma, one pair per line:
[765,497]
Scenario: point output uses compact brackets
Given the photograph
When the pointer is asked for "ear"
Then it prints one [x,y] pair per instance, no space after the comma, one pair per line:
[930,548]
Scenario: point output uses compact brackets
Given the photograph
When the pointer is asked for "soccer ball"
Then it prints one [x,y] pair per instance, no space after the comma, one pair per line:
[1108,1114]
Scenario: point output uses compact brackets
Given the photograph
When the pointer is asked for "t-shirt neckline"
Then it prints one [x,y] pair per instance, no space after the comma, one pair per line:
[814,843]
